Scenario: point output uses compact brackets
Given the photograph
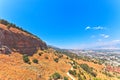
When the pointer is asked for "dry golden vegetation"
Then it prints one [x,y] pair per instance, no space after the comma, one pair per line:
[13,67]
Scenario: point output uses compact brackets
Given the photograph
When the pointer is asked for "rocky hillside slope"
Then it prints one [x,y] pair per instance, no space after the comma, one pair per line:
[13,38]
[49,65]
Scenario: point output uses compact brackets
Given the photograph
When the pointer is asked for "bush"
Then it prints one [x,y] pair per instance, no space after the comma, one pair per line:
[26,59]
[85,67]
[29,62]
[93,74]
[79,77]
[46,57]
[118,77]
[67,58]
[75,67]
[56,76]
[40,54]
[88,69]
[108,74]
[72,72]
[56,60]
[2,21]
[65,78]
[60,55]
[35,61]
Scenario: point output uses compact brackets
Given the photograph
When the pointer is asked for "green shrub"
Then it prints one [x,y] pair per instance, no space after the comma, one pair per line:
[93,74]
[25,58]
[60,55]
[85,67]
[108,74]
[79,77]
[40,54]
[56,60]
[29,62]
[75,67]
[118,77]
[72,72]
[88,69]
[65,78]
[2,21]
[35,61]
[56,76]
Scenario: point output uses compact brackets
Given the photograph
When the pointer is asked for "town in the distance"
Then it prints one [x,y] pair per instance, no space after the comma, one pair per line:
[109,57]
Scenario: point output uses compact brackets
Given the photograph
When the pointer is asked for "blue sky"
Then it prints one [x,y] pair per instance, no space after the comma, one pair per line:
[67,23]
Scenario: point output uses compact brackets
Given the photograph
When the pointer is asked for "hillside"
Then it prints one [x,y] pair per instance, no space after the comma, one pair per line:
[18,40]
[26,57]
[14,68]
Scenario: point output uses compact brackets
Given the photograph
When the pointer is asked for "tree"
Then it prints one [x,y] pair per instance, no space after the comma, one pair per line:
[75,67]
[88,69]
[65,78]
[72,72]
[85,67]
[93,74]
[2,21]
[25,58]
[56,76]
[56,60]
[35,61]
[40,54]
[79,77]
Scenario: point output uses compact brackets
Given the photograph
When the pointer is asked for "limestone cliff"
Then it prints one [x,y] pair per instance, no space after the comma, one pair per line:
[14,39]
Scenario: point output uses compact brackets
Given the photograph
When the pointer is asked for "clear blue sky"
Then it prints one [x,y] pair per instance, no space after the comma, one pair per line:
[67,23]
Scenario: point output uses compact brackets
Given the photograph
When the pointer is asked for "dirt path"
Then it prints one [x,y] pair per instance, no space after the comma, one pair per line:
[70,76]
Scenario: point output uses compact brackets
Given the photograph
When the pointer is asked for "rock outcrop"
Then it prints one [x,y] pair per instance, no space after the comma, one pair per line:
[17,40]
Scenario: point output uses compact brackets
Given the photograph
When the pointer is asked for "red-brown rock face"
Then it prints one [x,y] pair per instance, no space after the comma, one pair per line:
[20,41]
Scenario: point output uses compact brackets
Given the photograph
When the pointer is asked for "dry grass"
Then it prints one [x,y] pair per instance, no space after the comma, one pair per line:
[12,67]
